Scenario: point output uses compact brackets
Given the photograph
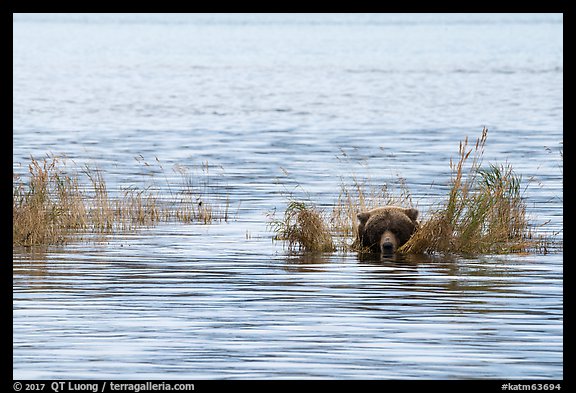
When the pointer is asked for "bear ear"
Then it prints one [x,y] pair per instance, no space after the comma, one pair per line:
[363,217]
[411,213]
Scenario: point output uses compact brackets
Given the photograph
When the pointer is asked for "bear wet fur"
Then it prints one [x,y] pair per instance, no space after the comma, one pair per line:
[385,229]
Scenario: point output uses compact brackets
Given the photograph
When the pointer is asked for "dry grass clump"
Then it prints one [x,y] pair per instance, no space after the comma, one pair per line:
[303,228]
[53,205]
[48,207]
[484,213]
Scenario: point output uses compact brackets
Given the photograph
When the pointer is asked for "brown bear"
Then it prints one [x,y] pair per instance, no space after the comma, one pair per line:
[385,229]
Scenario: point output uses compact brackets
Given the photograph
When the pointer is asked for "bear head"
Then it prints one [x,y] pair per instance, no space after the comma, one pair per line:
[385,229]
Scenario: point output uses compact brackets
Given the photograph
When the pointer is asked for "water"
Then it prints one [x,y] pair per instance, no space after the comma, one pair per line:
[321,98]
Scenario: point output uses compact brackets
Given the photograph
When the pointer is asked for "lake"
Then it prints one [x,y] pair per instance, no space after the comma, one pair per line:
[279,104]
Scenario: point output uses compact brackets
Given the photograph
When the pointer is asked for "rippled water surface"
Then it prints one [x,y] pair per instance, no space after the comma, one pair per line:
[272,101]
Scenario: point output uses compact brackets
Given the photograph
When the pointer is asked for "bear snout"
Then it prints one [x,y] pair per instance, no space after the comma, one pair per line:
[387,248]
[388,243]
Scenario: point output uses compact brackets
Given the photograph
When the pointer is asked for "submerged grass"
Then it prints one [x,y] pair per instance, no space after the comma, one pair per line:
[53,205]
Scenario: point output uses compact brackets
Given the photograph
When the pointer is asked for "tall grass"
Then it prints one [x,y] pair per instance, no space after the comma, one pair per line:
[484,211]
[198,200]
[52,203]
[48,207]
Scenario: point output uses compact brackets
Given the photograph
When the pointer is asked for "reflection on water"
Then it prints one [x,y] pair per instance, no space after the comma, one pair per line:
[324,99]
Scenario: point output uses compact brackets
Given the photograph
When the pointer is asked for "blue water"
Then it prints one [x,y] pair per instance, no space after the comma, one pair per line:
[270,101]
